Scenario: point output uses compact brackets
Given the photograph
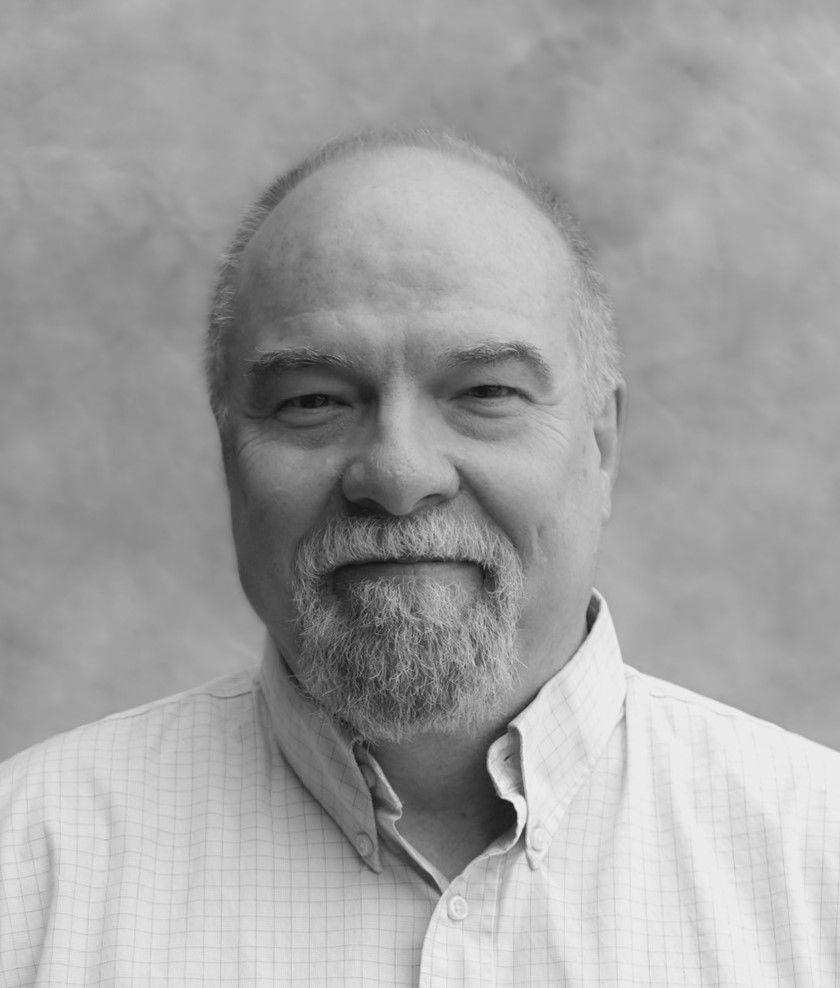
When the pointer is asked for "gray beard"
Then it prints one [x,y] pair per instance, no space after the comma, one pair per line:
[391,658]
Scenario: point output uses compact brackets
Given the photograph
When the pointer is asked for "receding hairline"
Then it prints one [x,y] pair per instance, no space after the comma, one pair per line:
[588,291]
[381,201]
[359,177]
[445,144]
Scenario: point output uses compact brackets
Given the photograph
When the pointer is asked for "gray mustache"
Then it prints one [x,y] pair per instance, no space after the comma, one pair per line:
[444,538]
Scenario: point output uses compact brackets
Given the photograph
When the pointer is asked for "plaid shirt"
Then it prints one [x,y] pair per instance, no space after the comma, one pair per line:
[231,835]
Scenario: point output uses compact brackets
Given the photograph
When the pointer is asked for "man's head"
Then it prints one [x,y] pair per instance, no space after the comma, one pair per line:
[412,366]
[590,307]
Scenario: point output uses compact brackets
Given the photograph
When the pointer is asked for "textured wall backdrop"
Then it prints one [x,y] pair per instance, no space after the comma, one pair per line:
[700,142]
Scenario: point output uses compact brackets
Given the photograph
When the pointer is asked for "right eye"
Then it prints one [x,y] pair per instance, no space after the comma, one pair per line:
[306,402]
[311,409]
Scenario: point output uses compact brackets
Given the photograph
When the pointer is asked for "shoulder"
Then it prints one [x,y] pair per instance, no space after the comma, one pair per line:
[145,740]
[139,780]
[678,709]
[128,810]
[716,746]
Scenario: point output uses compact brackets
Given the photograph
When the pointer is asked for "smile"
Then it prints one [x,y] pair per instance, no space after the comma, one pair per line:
[449,571]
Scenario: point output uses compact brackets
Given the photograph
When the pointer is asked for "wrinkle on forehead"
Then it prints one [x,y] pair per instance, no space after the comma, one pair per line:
[398,226]
[404,234]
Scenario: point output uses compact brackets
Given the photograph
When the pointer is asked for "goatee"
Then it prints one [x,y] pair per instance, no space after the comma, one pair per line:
[393,658]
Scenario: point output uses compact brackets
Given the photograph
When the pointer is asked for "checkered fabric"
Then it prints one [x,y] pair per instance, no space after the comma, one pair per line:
[232,835]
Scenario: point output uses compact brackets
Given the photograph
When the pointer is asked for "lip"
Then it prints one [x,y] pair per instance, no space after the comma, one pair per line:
[449,571]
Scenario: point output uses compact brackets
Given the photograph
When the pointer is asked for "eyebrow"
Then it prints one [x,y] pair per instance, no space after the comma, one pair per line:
[492,352]
[273,362]
[266,365]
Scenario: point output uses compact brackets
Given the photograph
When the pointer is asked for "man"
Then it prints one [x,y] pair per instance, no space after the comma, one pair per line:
[443,774]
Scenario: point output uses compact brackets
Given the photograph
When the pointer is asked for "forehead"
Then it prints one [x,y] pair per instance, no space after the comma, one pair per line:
[404,231]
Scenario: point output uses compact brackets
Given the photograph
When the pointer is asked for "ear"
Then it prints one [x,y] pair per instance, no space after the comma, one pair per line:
[608,425]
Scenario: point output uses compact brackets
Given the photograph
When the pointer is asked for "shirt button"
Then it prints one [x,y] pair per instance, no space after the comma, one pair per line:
[457,908]
[364,845]
[539,839]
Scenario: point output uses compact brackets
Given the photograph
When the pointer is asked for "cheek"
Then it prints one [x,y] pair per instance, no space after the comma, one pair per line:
[549,507]
[275,501]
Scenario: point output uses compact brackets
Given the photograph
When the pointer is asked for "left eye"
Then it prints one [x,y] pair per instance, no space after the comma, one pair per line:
[491,391]
[312,401]
[314,408]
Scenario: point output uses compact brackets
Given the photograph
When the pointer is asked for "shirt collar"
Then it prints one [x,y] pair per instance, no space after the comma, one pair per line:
[548,751]
[321,754]
[553,744]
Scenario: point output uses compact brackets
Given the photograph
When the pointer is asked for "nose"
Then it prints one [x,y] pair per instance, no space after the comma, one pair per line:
[400,468]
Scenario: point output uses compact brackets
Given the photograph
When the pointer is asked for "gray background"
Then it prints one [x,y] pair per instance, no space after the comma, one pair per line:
[700,143]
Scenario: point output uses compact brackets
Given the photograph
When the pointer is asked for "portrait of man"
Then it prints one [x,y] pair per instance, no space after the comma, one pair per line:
[442,772]
[418,494]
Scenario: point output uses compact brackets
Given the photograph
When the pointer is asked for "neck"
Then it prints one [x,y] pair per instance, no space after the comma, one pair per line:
[431,771]
[451,811]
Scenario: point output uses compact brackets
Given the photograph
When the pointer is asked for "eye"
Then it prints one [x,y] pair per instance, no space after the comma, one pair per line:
[491,391]
[313,401]
[307,409]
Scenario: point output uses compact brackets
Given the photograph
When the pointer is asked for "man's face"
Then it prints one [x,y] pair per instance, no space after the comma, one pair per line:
[404,354]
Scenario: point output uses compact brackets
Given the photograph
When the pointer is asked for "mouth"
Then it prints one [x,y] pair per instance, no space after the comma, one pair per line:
[455,572]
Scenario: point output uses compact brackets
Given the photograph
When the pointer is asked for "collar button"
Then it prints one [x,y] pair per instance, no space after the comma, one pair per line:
[539,839]
[364,845]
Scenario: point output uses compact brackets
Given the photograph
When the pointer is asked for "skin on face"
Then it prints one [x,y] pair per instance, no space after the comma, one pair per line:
[404,346]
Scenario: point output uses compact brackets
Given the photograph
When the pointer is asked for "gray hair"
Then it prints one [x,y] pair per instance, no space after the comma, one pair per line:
[592,316]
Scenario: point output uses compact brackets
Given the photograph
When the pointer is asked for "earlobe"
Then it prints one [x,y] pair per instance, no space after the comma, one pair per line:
[609,430]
